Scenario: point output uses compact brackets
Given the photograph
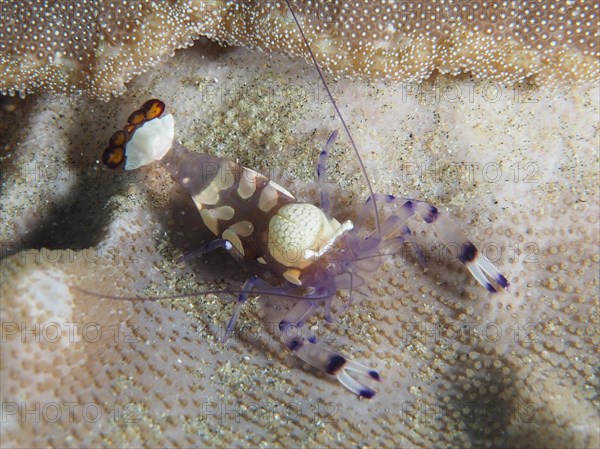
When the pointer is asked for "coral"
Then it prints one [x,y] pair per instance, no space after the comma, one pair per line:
[518,167]
[95,47]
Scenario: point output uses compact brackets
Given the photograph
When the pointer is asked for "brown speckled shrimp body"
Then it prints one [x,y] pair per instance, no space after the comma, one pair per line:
[292,249]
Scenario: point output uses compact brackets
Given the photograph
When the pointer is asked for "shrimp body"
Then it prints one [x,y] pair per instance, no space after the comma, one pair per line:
[292,248]
[266,226]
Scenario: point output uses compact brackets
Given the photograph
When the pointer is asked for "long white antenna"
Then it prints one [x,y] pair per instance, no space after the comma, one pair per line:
[339,114]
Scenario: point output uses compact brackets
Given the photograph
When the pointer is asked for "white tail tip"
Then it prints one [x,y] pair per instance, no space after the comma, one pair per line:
[150,142]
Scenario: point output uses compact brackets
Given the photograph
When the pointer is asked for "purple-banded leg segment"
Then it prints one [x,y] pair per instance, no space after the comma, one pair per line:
[320,356]
[394,222]
[207,248]
[446,230]
[393,232]
[322,169]
[241,300]
[264,288]
[396,225]
[292,326]
[452,236]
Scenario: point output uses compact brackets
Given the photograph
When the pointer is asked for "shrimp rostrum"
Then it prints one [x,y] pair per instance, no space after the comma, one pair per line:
[293,249]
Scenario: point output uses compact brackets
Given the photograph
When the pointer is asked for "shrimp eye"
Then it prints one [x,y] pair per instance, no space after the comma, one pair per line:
[118,139]
[113,157]
[137,117]
[153,108]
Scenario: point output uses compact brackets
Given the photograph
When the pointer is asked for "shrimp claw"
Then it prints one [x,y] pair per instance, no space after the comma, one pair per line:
[306,347]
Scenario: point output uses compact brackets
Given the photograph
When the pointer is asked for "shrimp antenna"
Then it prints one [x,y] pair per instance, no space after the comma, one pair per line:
[317,296]
[339,114]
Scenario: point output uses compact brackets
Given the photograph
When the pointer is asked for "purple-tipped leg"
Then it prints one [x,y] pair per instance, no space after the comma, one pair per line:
[446,230]
[207,248]
[305,346]
[468,254]
[321,357]
[241,300]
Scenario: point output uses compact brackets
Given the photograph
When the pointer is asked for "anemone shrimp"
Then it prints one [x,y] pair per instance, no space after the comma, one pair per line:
[291,249]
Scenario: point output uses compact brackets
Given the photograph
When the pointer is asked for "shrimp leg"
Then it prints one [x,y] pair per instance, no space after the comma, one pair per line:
[207,248]
[449,233]
[241,300]
[305,346]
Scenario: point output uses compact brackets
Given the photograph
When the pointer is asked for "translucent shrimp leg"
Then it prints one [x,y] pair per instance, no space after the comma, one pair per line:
[207,248]
[450,234]
[306,347]
[446,230]
[254,282]
[241,300]
[392,234]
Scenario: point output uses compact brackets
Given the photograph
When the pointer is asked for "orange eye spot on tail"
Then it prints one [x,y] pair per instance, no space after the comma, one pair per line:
[118,139]
[129,129]
[113,157]
[137,117]
[153,108]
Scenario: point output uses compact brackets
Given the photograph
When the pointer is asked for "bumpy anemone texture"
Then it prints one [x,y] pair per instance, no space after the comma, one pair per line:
[96,46]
